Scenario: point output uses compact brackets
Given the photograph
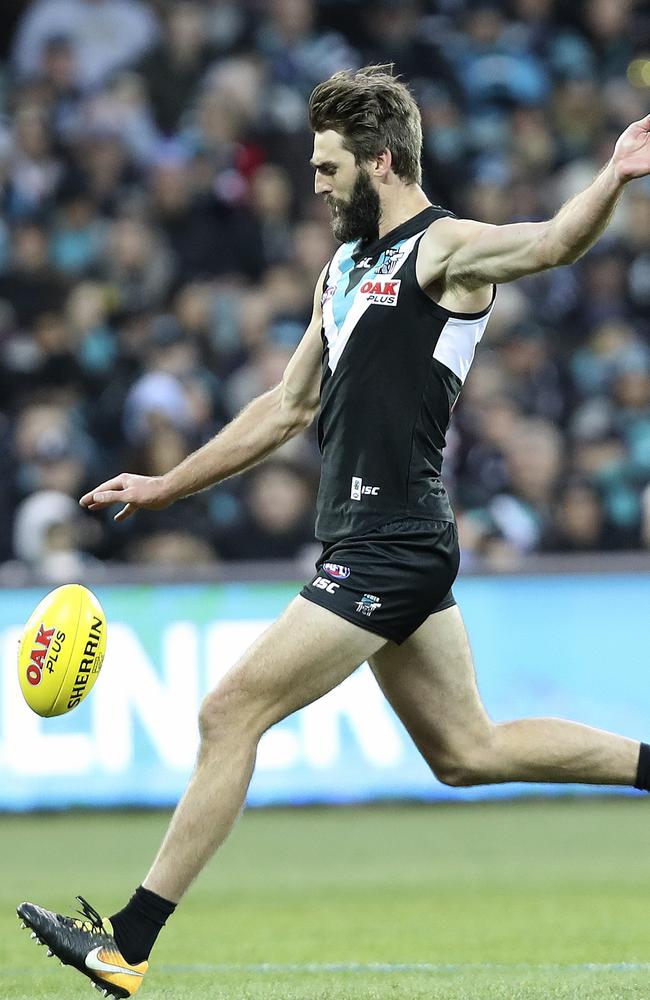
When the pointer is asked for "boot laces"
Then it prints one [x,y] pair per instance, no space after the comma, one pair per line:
[92,922]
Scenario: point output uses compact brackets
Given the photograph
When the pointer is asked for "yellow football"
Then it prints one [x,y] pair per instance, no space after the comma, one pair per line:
[62,650]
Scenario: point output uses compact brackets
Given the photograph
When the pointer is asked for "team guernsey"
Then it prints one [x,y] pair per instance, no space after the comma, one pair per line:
[394,363]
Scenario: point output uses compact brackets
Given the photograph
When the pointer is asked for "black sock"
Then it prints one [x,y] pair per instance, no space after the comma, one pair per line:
[137,926]
[642,780]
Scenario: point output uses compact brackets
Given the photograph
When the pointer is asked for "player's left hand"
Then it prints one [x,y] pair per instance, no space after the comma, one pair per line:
[632,151]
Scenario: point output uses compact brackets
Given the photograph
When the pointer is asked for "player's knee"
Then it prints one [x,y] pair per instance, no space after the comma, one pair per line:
[458,774]
[226,710]
[211,716]
[469,765]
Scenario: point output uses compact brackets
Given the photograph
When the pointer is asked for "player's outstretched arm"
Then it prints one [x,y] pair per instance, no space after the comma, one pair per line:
[465,254]
[261,427]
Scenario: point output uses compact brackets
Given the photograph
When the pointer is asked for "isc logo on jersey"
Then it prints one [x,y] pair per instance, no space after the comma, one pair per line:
[380,293]
[358,490]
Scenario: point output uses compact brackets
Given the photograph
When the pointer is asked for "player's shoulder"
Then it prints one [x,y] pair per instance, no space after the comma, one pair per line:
[444,221]
[447,233]
[443,239]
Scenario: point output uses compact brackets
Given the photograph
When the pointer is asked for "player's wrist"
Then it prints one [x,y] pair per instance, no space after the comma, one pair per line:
[614,176]
[168,489]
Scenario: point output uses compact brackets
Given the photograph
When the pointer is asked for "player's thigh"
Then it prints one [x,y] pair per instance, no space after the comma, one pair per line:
[431,683]
[303,655]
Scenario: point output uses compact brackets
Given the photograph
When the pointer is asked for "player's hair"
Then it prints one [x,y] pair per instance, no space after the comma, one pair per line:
[373,111]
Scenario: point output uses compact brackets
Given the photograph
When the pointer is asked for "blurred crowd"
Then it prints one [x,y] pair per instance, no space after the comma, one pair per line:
[160,241]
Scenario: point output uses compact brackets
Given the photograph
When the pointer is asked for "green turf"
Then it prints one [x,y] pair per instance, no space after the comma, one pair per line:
[515,899]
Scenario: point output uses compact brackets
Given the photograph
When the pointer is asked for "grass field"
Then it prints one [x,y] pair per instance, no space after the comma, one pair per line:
[511,900]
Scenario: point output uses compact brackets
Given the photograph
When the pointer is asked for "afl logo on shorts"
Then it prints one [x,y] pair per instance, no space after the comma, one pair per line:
[337,571]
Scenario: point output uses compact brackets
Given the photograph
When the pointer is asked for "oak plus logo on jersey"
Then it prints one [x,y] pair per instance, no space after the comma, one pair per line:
[358,490]
[380,293]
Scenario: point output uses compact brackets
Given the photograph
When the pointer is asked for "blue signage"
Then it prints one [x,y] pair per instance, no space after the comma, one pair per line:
[571,646]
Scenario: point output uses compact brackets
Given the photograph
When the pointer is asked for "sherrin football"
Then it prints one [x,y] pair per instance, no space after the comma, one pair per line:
[62,650]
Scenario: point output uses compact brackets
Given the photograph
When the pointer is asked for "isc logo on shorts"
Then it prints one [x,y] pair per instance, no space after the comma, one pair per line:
[327,585]
[380,293]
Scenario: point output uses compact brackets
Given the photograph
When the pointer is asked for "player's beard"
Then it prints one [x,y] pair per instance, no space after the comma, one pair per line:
[358,217]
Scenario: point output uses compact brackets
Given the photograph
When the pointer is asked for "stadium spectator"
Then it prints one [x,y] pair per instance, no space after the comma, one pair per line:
[299,54]
[276,522]
[137,265]
[107,34]
[173,69]
[608,26]
[35,169]
[78,235]
[51,536]
[159,244]
[271,198]
[31,285]
[579,521]
[522,512]
[171,551]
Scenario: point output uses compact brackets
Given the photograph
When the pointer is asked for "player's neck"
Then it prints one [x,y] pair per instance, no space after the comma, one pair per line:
[399,204]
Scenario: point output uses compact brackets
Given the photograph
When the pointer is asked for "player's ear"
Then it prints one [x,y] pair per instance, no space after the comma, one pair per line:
[383,163]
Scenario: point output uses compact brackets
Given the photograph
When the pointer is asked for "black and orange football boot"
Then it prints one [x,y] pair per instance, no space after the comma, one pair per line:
[88,945]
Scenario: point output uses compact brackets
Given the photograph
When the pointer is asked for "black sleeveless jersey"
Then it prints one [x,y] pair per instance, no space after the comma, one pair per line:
[393,366]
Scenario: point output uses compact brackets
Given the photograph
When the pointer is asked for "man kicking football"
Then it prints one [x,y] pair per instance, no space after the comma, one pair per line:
[398,313]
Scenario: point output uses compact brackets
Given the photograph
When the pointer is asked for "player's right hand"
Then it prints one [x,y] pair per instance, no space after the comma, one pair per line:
[135,492]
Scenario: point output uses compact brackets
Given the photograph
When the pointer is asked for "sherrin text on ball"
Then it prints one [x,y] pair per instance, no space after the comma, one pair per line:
[62,650]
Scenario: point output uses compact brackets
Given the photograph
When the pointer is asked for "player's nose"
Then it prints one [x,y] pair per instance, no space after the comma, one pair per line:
[321,186]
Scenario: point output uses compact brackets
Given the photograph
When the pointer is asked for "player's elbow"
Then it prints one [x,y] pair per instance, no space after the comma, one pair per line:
[301,419]
[554,251]
[295,413]
[563,255]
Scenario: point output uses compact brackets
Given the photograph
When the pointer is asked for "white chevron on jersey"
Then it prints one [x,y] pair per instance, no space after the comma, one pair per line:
[334,276]
[457,342]
[337,338]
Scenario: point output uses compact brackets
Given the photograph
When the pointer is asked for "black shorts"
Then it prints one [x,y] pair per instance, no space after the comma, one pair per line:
[390,580]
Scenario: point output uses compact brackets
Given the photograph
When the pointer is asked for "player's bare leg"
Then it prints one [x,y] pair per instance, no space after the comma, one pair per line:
[303,655]
[430,682]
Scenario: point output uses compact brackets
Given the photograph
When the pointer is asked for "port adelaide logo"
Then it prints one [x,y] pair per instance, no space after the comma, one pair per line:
[392,258]
[336,570]
[367,604]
